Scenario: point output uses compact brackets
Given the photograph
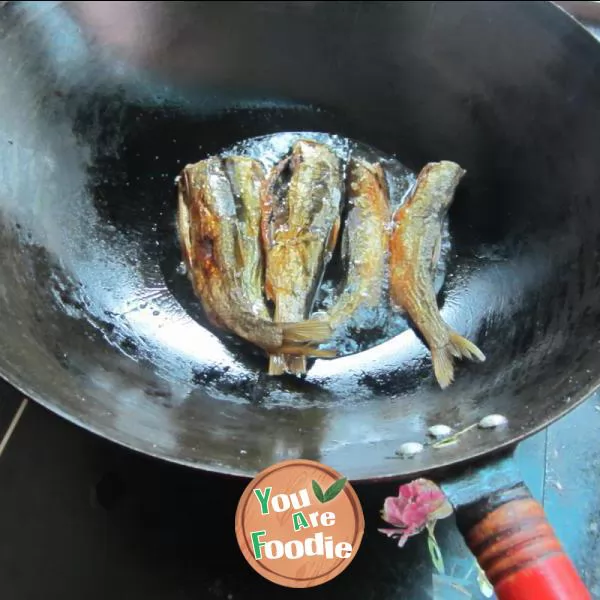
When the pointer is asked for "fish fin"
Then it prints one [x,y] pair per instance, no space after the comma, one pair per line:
[443,366]
[443,358]
[294,360]
[465,348]
[276,364]
[301,351]
[296,364]
[322,353]
[298,342]
[454,351]
[333,235]
[313,331]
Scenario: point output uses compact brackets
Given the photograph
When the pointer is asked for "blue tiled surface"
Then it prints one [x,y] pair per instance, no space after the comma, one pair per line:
[571,497]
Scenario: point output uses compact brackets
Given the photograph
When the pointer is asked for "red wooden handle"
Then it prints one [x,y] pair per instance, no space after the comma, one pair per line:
[516,547]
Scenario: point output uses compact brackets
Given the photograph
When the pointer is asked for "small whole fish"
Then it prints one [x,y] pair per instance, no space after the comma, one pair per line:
[365,240]
[212,242]
[414,250]
[300,227]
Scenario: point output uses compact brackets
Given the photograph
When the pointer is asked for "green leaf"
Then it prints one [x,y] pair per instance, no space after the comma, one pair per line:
[318,491]
[449,441]
[435,553]
[335,488]
[453,439]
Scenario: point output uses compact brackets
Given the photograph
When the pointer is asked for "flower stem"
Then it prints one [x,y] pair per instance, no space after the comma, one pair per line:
[452,439]
[434,549]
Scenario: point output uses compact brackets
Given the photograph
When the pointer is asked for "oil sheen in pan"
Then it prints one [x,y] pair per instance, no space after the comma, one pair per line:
[368,327]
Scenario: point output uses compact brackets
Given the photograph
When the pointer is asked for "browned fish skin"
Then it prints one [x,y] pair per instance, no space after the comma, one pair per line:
[365,241]
[414,244]
[247,176]
[300,230]
[207,228]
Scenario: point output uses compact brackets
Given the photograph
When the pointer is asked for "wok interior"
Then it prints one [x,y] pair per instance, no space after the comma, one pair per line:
[98,324]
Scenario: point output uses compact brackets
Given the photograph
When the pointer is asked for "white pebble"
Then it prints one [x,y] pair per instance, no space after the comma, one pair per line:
[439,431]
[409,449]
[492,421]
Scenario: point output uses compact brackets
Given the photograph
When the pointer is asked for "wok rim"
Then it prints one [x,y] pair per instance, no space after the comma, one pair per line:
[466,459]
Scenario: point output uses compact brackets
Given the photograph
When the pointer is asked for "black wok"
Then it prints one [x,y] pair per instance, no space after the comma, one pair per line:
[101,106]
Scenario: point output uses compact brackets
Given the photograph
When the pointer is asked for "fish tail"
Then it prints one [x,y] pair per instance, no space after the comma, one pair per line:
[309,332]
[313,332]
[443,358]
[443,366]
[306,350]
[276,364]
[294,360]
[296,364]
[322,353]
[299,341]
[464,348]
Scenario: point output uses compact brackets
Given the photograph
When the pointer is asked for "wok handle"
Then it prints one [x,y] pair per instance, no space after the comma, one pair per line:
[517,548]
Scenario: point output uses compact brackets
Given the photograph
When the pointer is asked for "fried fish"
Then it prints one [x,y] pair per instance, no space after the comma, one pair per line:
[246,176]
[414,249]
[365,241]
[300,227]
[211,243]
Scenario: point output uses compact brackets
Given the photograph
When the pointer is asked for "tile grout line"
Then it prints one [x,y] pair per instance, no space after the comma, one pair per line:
[13,425]
[546,461]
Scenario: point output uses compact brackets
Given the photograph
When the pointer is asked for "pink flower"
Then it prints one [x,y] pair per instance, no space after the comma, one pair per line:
[418,504]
